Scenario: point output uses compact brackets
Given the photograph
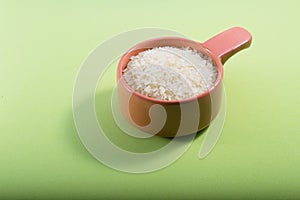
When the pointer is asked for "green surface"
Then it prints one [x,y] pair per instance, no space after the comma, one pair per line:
[42,45]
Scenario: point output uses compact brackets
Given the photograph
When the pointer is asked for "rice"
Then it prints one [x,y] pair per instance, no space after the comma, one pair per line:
[170,73]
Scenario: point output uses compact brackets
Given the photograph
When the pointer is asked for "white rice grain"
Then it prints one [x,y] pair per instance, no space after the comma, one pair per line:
[170,73]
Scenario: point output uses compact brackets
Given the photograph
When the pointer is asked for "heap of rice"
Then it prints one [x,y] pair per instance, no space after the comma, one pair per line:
[170,73]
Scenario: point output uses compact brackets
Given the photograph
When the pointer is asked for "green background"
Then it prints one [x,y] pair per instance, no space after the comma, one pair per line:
[42,45]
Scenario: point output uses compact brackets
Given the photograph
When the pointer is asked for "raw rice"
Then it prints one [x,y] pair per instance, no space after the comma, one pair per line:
[170,73]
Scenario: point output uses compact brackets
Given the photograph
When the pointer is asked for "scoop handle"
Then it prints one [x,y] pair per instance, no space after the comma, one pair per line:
[227,43]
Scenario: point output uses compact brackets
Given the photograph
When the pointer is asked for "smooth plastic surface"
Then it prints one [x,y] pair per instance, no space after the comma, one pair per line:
[229,42]
[219,48]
